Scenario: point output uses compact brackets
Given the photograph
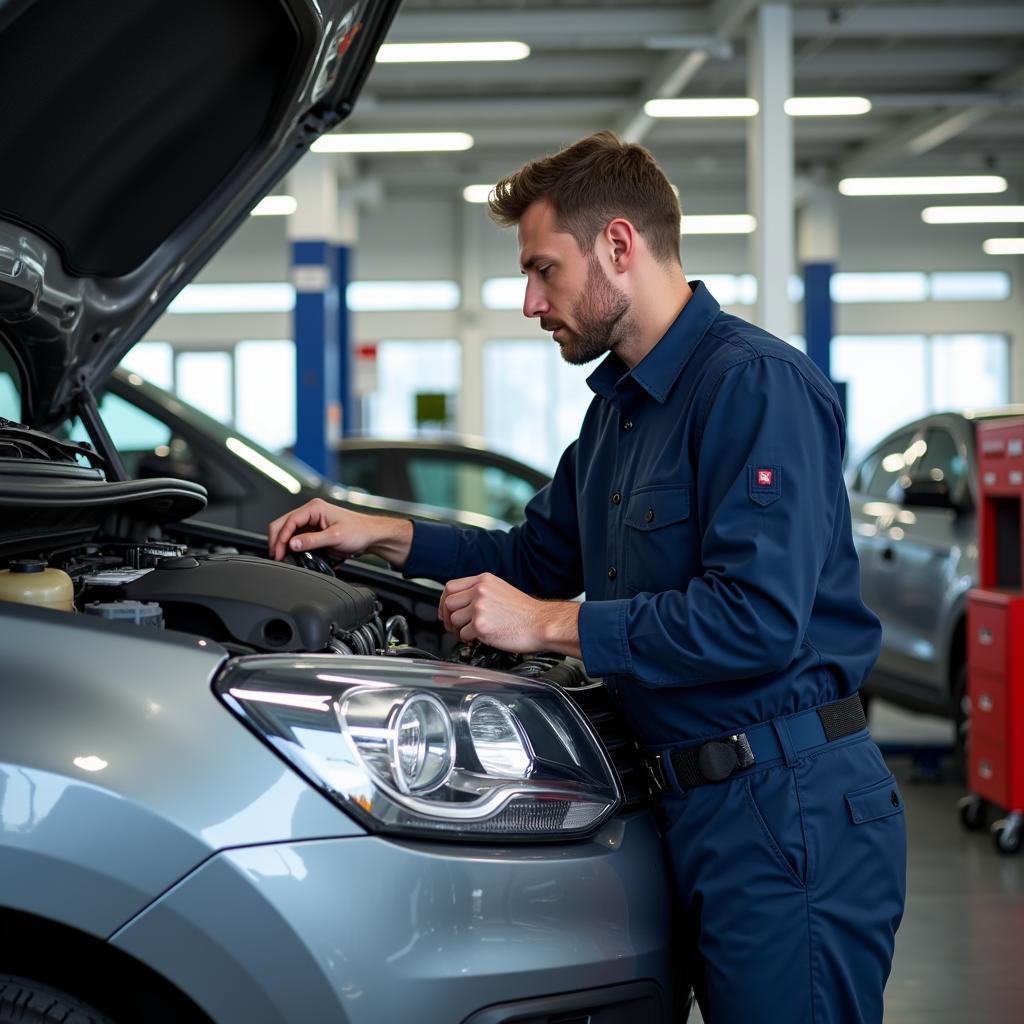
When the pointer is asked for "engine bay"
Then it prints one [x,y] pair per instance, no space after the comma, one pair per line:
[220,585]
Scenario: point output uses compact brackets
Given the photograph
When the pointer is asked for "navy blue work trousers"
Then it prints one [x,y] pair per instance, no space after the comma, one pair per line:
[792,879]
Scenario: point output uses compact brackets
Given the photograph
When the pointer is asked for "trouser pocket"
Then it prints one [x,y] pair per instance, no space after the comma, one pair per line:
[773,799]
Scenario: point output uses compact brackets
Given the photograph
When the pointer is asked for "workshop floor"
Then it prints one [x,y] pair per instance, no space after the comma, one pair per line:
[960,949]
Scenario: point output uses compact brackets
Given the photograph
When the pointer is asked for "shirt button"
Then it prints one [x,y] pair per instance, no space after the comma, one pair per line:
[612,573]
[616,498]
[649,516]
[628,425]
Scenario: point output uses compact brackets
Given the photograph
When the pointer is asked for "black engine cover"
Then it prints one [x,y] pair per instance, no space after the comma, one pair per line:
[269,605]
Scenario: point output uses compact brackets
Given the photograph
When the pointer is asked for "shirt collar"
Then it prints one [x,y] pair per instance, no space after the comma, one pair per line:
[658,371]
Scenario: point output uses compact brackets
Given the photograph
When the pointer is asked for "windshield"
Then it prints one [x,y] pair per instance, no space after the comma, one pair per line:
[10,386]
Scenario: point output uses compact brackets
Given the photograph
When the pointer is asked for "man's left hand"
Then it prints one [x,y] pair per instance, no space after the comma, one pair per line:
[488,609]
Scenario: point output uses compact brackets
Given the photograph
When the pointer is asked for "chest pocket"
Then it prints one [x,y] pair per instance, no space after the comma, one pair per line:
[659,547]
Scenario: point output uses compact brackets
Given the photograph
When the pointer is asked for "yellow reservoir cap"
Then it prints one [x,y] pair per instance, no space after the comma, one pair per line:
[31,581]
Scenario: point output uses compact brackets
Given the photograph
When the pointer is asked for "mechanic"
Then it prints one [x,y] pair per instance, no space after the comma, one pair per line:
[703,512]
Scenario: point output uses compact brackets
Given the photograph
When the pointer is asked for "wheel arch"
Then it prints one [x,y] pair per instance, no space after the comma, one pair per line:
[92,970]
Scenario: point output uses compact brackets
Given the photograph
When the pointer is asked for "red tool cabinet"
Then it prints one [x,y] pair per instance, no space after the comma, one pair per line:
[995,637]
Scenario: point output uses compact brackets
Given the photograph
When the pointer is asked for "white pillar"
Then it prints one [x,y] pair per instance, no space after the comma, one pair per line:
[770,164]
[471,332]
[818,220]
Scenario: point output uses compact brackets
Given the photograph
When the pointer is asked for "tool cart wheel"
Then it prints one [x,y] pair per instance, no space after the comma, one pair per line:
[1008,833]
[972,812]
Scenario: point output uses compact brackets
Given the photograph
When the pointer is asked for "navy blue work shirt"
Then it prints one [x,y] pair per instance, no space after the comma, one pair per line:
[704,514]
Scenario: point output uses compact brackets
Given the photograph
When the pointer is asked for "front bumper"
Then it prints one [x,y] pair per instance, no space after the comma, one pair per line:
[366,930]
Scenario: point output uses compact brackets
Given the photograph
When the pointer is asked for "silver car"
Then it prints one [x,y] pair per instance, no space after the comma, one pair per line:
[914,498]
[232,789]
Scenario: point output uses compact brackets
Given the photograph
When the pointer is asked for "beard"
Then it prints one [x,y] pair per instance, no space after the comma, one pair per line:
[603,317]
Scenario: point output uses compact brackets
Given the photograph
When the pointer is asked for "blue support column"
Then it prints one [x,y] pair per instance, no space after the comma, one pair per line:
[818,314]
[315,274]
[343,262]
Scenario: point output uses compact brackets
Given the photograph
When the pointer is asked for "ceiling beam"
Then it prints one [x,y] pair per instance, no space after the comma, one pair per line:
[673,73]
[915,22]
[625,27]
[925,132]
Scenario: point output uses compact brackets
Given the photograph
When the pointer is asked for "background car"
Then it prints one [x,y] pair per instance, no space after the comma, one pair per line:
[445,472]
[158,435]
[913,499]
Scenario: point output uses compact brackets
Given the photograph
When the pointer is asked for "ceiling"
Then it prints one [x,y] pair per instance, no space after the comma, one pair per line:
[945,77]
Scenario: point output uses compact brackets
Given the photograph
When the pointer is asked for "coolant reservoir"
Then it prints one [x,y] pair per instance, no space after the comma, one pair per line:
[31,581]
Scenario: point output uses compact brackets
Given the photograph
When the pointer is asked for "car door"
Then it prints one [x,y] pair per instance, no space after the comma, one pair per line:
[468,482]
[873,512]
[920,550]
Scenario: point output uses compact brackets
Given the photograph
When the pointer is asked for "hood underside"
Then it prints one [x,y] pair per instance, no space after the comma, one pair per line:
[136,137]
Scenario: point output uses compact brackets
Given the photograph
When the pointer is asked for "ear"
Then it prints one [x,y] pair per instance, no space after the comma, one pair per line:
[622,240]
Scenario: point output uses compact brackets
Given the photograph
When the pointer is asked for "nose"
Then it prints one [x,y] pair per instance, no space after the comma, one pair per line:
[534,302]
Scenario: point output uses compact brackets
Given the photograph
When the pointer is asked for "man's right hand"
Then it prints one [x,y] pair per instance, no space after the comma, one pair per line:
[319,524]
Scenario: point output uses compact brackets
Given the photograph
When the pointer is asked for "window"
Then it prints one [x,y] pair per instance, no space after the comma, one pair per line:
[384,296]
[204,380]
[891,379]
[136,434]
[942,461]
[450,482]
[880,472]
[153,361]
[904,286]
[10,386]
[408,371]
[534,400]
[265,392]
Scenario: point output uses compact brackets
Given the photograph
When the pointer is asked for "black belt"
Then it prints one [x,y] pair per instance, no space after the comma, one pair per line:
[717,759]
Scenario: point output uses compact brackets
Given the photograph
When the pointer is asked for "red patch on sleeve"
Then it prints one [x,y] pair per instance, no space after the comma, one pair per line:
[765,478]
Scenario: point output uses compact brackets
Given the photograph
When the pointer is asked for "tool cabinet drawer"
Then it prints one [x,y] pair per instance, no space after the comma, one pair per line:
[989,706]
[989,776]
[987,638]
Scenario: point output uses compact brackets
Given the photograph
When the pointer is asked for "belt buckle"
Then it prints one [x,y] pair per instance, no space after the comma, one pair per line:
[718,759]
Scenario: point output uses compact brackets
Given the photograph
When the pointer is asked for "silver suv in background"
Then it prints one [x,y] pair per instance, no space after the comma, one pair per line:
[914,498]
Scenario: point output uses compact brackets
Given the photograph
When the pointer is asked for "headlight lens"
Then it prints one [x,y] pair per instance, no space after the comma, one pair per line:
[416,747]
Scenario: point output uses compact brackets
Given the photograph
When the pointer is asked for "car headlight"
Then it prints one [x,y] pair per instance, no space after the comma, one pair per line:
[429,747]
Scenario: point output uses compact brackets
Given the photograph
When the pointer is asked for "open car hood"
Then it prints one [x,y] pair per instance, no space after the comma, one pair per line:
[136,137]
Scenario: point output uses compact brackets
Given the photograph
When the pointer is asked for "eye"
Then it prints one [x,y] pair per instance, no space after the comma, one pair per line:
[545,270]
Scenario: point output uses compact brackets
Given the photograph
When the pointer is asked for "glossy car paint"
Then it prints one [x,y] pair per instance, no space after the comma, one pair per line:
[198,851]
[365,930]
[917,565]
[180,778]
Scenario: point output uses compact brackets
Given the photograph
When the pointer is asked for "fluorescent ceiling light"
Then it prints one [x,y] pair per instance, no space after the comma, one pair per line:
[718,224]
[1004,246]
[973,214]
[736,107]
[477,193]
[929,185]
[275,206]
[415,53]
[393,142]
[826,106]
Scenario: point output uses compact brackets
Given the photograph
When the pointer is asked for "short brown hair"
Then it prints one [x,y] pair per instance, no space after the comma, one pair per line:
[590,183]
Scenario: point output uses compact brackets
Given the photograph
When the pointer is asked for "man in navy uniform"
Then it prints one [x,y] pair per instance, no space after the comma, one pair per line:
[704,514]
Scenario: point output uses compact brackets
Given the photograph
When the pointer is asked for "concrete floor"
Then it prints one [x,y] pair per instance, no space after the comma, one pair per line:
[960,949]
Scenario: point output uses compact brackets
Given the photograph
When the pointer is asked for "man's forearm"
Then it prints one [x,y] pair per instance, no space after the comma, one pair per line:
[561,630]
[394,541]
